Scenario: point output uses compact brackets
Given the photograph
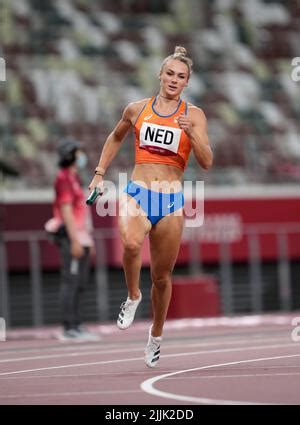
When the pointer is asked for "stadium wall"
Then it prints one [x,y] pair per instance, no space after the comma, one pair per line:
[228,217]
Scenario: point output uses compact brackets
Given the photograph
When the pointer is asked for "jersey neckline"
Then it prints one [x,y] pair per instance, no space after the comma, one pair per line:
[165,116]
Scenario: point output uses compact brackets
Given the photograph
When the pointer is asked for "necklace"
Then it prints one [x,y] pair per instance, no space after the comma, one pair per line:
[165,97]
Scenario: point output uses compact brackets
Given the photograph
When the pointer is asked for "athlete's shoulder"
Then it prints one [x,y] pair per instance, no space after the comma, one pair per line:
[196,112]
[133,109]
[136,106]
[194,108]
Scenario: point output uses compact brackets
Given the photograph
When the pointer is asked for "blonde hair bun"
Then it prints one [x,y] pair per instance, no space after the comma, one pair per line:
[180,53]
[179,50]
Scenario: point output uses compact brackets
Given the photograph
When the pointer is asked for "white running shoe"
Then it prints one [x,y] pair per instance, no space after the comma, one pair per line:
[152,351]
[128,309]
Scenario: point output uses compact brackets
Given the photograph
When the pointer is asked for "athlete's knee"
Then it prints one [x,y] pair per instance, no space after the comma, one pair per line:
[131,247]
[161,280]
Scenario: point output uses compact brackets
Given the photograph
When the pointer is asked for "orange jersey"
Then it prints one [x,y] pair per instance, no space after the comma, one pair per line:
[159,139]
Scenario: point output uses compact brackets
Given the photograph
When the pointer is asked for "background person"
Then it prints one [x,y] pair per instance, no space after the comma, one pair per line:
[72,226]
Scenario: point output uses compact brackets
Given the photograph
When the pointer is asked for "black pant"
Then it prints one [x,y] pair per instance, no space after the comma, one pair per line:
[74,277]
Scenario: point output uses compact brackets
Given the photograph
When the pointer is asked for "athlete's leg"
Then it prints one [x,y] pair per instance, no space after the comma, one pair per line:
[165,238]
[133,227]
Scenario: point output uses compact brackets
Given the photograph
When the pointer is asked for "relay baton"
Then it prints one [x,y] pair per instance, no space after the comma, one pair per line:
[94,195]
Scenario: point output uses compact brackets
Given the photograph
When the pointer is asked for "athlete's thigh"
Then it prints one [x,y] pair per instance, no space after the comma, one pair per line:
[133,222]
[165,239]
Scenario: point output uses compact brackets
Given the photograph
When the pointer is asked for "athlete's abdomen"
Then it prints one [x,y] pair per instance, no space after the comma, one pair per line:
[147,174]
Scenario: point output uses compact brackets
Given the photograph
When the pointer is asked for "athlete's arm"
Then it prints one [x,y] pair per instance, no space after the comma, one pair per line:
[113,144]
[195,126]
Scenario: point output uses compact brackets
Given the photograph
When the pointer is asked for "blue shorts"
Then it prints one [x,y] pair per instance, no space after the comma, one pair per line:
[155,204]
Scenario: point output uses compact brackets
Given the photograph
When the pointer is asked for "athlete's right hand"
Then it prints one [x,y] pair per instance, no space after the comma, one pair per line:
[97,181]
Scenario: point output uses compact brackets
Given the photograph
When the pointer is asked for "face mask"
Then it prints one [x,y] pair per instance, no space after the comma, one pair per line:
[81,160]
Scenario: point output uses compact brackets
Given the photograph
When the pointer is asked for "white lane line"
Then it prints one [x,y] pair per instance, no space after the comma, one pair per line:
[71,365]
[253,375]
[148,385]
[76,354]
[104,362]
[73,346]
[69,393]
[145,372]
[130,350]
[84,375]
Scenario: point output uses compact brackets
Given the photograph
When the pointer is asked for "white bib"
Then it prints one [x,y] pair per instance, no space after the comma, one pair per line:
[159,137]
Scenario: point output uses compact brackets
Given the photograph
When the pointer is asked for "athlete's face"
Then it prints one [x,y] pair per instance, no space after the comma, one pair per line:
[174,77]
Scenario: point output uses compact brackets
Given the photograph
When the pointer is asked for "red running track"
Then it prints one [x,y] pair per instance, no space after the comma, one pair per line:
[237,360]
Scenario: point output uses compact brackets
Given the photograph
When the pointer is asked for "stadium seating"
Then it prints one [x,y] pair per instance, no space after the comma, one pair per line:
[73,65]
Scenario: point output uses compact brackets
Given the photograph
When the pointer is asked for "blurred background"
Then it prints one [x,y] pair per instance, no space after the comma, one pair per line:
[71,68]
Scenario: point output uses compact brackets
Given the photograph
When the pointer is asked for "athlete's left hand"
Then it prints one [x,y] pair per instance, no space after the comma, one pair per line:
[185,123]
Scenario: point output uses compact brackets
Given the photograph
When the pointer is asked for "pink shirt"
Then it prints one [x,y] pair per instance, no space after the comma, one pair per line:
[68,190]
